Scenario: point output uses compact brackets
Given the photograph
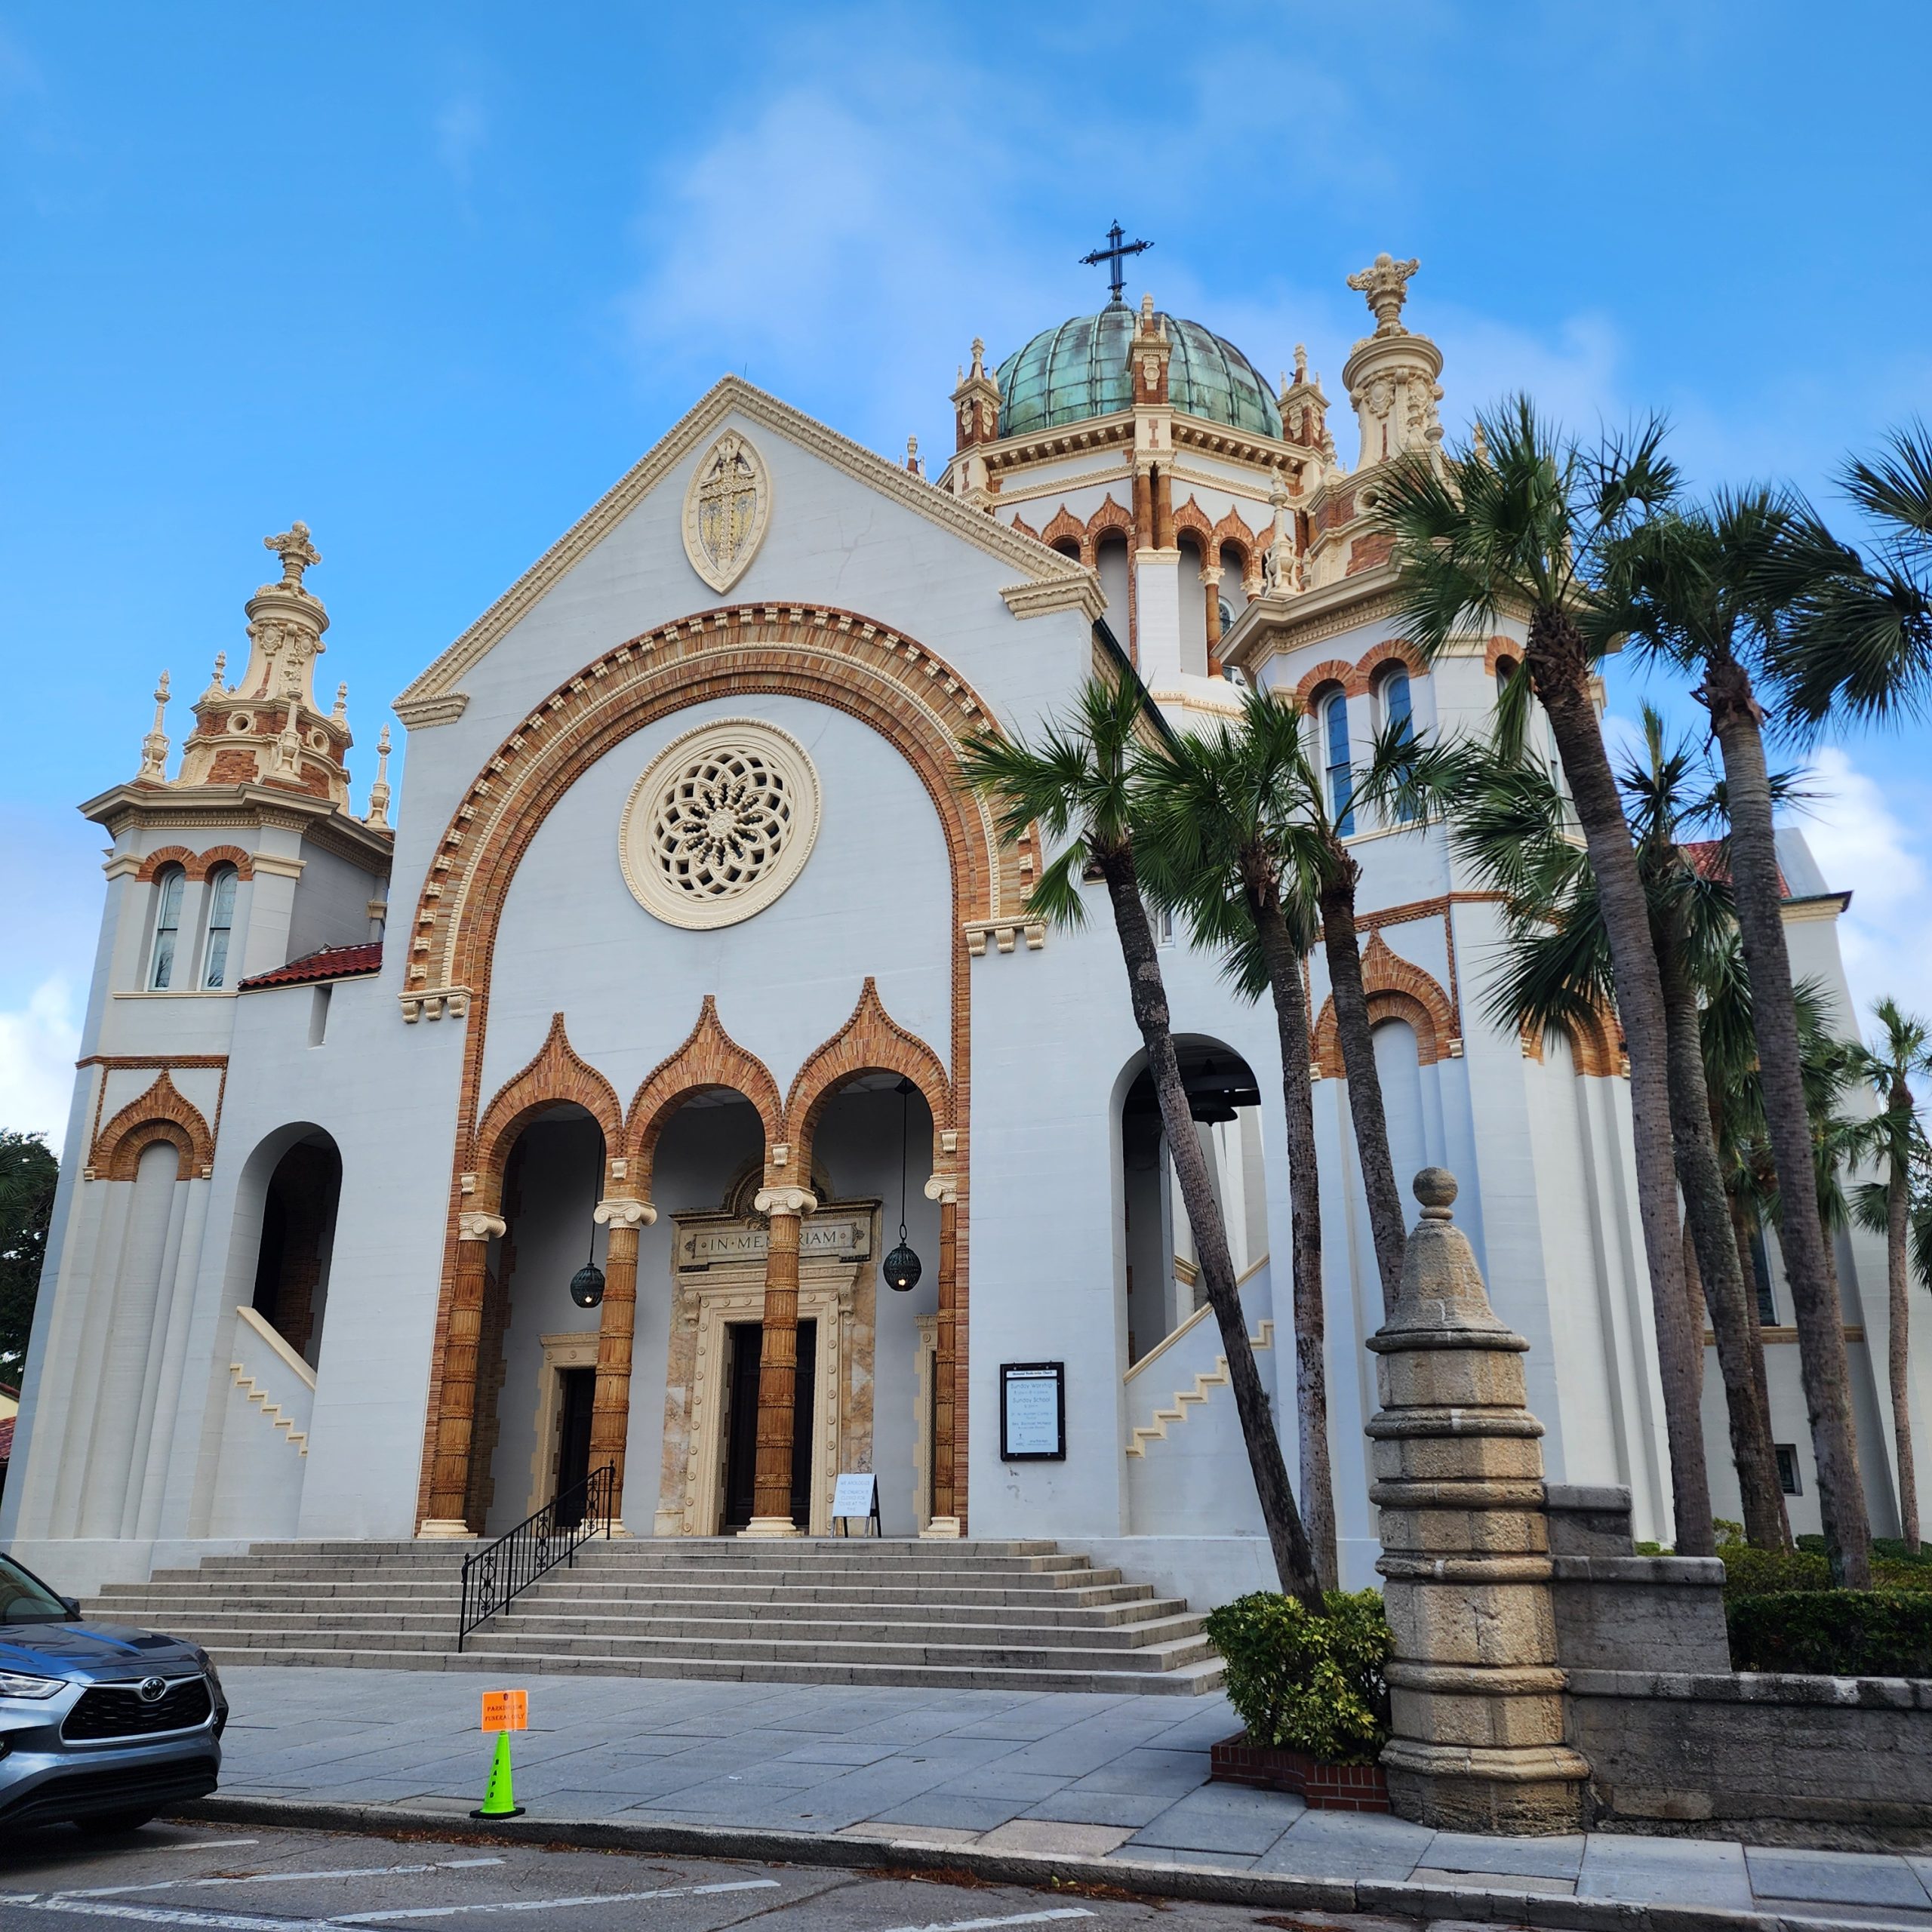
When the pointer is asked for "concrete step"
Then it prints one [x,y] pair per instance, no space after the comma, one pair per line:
[1187,1679]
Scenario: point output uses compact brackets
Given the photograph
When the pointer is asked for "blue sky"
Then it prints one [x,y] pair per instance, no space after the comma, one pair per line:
[431,277]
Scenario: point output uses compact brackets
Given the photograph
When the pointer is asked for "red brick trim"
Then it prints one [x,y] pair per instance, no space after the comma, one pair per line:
[1596,1045]
[1322,1786]
[871,1041]
[1109,520]
[1393,650]
[196,865]
[1330,671]
[709,1057]
[1191,520]
[1500,647]
[1398,989]
[1067,528]
[556,1073]
[162,1113]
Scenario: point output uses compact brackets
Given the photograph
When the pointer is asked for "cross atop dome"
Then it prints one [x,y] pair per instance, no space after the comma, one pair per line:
[1114,255]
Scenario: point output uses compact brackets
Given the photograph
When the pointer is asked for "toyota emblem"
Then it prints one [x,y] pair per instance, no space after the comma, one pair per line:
[153,1689]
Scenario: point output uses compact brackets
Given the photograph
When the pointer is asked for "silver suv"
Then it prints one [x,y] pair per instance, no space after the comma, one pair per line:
[101,1725]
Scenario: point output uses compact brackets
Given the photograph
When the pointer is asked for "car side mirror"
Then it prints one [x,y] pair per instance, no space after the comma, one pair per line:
[71,1605]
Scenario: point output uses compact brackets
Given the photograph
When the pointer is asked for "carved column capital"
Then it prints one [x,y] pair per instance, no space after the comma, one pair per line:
[942,1187]
[624,1213]
[784,1200]
[474,1225]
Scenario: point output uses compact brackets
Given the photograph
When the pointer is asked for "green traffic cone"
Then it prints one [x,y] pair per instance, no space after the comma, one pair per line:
[499,1800]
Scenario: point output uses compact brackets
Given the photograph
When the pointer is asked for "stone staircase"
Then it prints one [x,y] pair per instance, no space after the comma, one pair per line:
[944,1615]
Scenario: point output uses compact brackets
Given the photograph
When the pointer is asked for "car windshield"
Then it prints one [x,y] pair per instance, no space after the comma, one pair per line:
[25,1600]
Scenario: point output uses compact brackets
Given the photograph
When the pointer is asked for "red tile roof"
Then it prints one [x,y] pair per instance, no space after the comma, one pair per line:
[1707,860]
[333,962]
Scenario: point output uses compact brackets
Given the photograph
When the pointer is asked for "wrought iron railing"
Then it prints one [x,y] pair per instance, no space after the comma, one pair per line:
[554,1535]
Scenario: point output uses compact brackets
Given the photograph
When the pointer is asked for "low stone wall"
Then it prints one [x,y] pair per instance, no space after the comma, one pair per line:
[1842,1761]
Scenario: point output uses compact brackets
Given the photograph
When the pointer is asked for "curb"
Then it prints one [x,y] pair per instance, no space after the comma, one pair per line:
[1547,1912]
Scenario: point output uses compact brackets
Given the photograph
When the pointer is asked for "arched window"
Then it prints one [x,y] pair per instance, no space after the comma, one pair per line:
[1506,669]
[1340,772]
[221,921]
[1397,716]
[170,885]
[1227,611]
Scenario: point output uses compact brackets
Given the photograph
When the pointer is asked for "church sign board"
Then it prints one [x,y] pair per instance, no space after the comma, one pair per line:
[1032,1411]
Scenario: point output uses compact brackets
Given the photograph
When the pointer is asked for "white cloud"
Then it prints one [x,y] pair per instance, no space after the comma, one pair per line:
[462,126]
[37,1044]
[1863,845]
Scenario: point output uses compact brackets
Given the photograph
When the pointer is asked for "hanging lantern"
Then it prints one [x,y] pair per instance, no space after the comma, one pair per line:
[587,1283]
[902,1265]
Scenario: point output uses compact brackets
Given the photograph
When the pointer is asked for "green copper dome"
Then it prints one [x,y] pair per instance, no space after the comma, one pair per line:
[1079,369]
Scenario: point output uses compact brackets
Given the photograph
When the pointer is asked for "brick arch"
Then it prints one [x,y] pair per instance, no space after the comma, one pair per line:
[156,863]
[1232,533]
[225,855]
[709,1058]
[162,1113]
[1109,519]
[1596,1044]
[1025,528]
[1398,989]
[1330,671]
[871,1041]
[1065,528]
[1393,650]
[1499,648]
[1191,520]
[556,1074]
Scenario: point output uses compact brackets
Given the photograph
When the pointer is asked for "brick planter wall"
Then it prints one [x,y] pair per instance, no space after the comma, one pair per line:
[1322,1787]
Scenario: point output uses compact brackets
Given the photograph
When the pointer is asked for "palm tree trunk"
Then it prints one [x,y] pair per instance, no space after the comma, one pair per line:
[1707,1221]
[1820,1318]
[1293,1560]
[1286,982]
[1341,948]
[1559,670]
[1694,1300]
[1741,1225]
[1898,1212]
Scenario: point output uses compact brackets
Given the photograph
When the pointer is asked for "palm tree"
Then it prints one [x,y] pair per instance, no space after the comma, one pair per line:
[1222,837]
[1525,530]
[1076,784]
[1511,827]
[1691,586]
[1897,1142]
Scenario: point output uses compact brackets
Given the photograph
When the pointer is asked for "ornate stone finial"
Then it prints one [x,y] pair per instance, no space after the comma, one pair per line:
[913,462]
[1479,445]
[288,745]
[217,680]
[1301,362]
[154,746]
[296,552]
[379,793]
[978,356]
[1384,284]
[1147,313]
[1435,1188]
[340,713]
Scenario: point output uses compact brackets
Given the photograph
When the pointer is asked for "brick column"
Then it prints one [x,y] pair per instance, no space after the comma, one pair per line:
[1475,1692]
[1164,510]
[1210,593]
[1143,510]
[610,1406]
[449,1480]
[778,1362]
[944,1189]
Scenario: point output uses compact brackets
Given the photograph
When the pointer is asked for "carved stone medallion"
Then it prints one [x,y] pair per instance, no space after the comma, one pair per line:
[726,510]
[720,823]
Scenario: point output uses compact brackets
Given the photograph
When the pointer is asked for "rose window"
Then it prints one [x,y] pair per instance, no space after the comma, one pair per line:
[719,824]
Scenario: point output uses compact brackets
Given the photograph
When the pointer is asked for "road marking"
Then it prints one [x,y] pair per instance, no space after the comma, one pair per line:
[201,1845]
[554,1905]
[1017,1918]
[273,1878]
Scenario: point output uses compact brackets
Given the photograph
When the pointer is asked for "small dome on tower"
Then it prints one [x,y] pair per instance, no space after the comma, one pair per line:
[1080,370]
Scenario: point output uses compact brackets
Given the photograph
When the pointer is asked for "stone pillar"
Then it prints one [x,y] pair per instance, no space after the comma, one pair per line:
[1164,510]
[1143,510]
[1476,1694]
[610,1406]
[449,1476]
[1210,594]
[943,1188]
[778,1362]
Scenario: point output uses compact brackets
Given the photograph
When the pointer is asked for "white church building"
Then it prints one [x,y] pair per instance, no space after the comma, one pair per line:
[688,956]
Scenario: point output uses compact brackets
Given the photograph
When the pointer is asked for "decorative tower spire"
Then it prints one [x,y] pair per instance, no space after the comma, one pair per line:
[340,713]
[217,686]
[379,793]
[914,461]
[296,552]
[976,416]
[1304,408]
[1391,375]
[154,746]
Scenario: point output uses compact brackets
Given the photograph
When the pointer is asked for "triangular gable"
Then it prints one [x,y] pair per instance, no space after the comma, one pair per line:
[1052,581]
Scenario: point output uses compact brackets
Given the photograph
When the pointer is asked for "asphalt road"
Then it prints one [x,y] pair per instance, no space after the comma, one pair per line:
[263,1880]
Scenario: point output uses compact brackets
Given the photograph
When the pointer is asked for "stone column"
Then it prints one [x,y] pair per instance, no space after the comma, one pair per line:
[1210,593]
[1476,1694]
[778,1362]
[449,1476]
[610,1406]
[1143,510]
[944,1189]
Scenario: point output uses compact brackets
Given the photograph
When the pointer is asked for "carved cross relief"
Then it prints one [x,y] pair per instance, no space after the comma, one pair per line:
[726,509]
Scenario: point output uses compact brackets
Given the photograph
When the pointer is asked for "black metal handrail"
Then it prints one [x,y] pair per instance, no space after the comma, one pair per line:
[538,1544]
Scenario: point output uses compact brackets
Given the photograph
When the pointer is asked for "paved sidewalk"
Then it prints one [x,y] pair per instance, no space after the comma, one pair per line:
[1060,1775]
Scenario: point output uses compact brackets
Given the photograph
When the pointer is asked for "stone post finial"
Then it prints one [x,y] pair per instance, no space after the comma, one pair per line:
[1384,284]
[379,793]
[1475,1695]
[1479,445]
[154,746]
[217,688]
[978,356]
[1301,362]
[296,552]
[914,461]
[340,713]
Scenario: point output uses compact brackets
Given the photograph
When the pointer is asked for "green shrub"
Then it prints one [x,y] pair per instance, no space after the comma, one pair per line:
[1303,1683]
[1835,1633]
[1748,1572]
[1888,1552]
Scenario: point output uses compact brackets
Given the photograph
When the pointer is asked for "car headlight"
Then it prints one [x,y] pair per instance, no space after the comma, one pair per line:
[17,1683]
